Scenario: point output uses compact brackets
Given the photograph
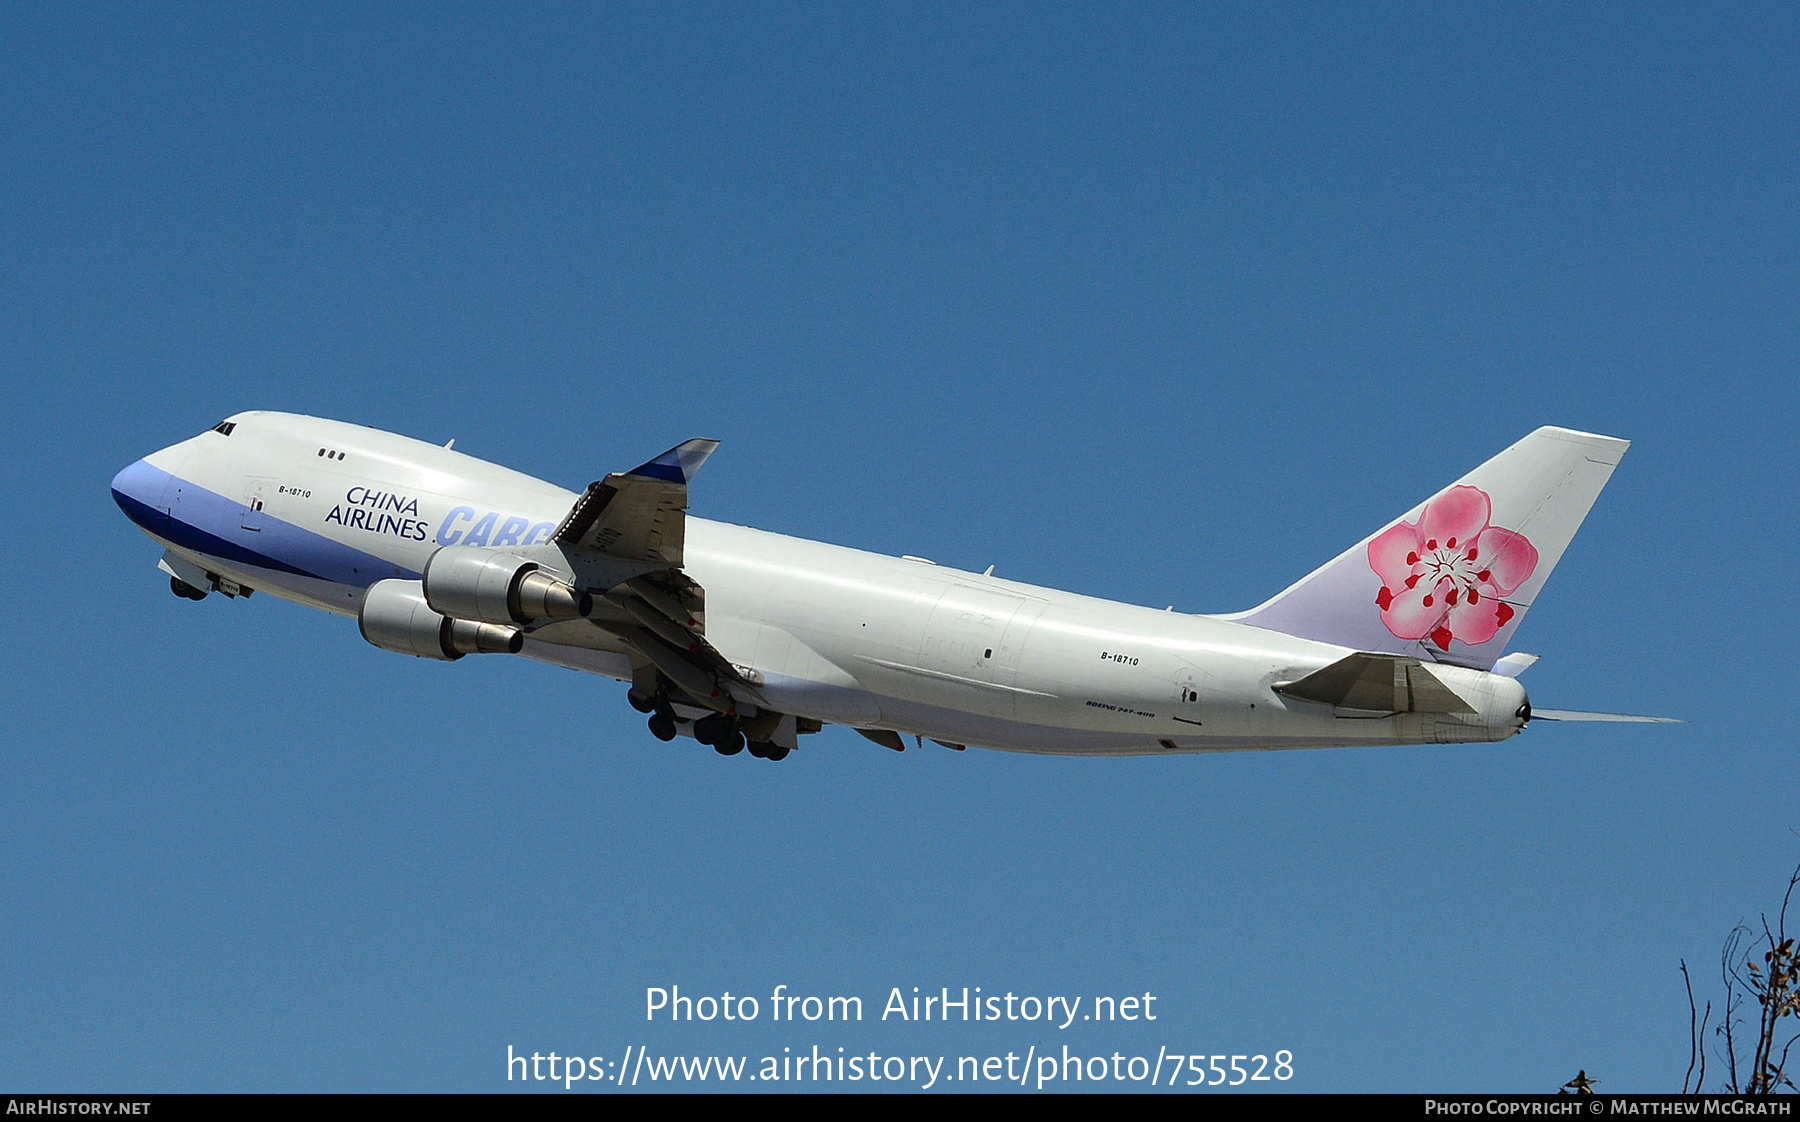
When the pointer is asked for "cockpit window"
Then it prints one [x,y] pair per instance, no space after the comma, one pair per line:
[224,427]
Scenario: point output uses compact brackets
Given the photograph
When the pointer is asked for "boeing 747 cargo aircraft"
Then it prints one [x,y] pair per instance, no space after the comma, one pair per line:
[738,637]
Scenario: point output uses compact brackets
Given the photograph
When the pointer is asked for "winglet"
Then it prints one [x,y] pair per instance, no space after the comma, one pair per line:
[680,463]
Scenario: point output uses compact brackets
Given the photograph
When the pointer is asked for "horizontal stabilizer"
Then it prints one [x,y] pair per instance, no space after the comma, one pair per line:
[1618,718]
[1514,664]
[1376,683]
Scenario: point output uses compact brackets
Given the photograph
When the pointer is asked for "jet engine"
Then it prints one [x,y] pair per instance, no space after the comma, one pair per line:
[395,617]
[469,582]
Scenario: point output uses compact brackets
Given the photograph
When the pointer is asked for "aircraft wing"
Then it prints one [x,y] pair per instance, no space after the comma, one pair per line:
[660,615]
[640,515]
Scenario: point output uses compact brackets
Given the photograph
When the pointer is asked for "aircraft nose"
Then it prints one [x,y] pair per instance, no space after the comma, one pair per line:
[139,490]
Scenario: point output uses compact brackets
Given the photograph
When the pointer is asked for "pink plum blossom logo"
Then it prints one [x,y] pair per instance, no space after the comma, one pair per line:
[1444,577]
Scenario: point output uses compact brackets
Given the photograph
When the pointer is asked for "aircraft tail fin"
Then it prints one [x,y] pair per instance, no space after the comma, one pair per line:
[1450,580]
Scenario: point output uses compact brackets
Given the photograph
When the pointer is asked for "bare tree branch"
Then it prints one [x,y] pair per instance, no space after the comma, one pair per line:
[1775,984]
[1696,1036]
[1727,967]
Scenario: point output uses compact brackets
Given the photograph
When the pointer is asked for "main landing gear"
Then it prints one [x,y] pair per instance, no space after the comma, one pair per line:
[662,719]
[717,731]
[727,739]
[721,732]
[185,590]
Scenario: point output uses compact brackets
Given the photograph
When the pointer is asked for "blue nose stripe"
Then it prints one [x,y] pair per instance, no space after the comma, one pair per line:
[195,518]
[140,491]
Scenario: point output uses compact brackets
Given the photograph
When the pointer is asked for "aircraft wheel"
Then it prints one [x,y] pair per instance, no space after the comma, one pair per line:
[712,730]
[185,590]
[776,752]
[730,744]
[639,702]
[759,749]
[662,726]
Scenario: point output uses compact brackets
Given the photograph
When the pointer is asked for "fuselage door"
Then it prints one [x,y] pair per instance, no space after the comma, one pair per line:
[1187,685]
[256,497]
[966,630]
[1190,683]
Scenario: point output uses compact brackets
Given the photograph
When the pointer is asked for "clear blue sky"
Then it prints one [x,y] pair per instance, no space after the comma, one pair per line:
[1162,303]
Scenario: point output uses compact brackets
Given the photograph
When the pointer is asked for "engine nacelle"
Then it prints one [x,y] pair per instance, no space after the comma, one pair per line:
[469,582]
[395,617]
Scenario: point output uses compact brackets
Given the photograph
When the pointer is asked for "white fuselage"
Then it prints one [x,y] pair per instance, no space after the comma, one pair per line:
[315,511]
